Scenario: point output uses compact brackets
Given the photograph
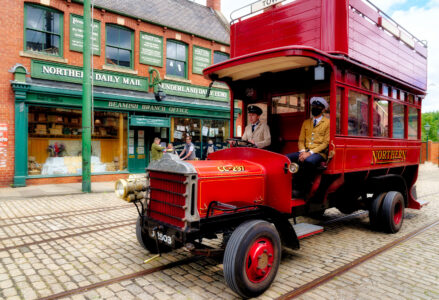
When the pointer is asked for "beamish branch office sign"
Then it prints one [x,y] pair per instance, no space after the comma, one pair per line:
[59,72]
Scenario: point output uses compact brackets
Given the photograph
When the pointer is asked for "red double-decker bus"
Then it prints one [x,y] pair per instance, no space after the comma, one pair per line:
[370,70]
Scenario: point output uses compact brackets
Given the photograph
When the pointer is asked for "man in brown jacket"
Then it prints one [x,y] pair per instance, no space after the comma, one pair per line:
[256,132]
[313,146]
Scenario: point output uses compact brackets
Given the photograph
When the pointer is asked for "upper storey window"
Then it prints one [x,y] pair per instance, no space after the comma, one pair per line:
[220,57]
[119,46]
[176,59]
[43,30]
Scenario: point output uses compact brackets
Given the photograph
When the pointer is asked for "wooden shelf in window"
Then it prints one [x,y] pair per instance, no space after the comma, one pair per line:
[68,136]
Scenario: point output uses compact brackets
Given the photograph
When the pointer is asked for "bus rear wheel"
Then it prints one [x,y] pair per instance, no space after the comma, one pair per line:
[392,212]
[375,211]
[252,258]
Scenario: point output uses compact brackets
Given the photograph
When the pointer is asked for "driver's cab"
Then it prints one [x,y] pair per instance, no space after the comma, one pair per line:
[284,100]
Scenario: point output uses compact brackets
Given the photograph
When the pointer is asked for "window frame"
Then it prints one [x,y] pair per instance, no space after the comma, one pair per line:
[118,47]
[186,66]
[61,29]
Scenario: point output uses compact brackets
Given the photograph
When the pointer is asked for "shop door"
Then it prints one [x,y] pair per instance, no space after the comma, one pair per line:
[137,150]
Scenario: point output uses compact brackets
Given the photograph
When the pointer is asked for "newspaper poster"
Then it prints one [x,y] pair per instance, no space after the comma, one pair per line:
[3,144]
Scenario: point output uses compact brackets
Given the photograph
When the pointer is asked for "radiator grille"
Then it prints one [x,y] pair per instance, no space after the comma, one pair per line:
[167,198]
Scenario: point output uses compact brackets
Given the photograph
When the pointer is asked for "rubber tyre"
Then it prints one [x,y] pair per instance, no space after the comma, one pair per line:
[392,212]
[375,211]
[237,257]
[147,242]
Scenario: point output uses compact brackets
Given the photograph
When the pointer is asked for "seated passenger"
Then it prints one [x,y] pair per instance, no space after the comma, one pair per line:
[313,146]
[256,132]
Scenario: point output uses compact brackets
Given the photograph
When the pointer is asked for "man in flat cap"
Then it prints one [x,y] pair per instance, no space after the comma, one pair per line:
[256,132]
[313,146]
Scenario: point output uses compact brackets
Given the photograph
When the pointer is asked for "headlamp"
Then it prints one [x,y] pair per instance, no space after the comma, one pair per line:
[293,168]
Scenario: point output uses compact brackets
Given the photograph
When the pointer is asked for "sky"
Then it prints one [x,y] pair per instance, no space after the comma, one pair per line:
[419,17]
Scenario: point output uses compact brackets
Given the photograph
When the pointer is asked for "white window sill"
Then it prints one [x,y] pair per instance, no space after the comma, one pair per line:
[119,69]
[179,79]
[42,56]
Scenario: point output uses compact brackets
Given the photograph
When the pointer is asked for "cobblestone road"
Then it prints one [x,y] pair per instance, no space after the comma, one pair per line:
[49,245]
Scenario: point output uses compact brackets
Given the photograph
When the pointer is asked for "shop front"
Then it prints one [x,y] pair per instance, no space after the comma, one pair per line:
[125,121]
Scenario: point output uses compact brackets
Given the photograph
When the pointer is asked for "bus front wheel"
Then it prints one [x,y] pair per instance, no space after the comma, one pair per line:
[252,258]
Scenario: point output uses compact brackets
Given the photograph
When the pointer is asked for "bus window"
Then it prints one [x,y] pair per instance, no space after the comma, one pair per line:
[376,87]
[358,112]
[413,124]
[398,121]
[385,90]
[411,99]
[365,83]
[288,104]
[381,118]
[394,93]
[340,92]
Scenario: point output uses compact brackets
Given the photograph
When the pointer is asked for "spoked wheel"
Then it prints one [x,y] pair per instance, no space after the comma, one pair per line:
[392,212]
[252,258]
[147,242]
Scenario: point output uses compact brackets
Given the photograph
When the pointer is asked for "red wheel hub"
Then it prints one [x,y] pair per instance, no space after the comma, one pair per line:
[397,214]
[259,260]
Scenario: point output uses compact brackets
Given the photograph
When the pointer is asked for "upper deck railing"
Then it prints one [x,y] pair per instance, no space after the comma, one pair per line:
[385,22]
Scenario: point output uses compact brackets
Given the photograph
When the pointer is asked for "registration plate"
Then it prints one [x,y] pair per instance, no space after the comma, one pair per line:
[163,238]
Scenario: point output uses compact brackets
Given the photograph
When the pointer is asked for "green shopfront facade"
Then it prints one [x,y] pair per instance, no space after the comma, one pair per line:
[126,118]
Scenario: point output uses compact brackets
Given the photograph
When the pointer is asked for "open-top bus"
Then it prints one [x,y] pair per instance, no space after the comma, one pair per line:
[370,70]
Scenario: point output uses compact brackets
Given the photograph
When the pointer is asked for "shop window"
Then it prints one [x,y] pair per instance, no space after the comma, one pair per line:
[340,92]
[381,118]
[216,131]
[413,124]
[220,57]
[176,58]
[119,46]
[55,142]
[288,104]
[183,127]
[358,114]
[43,30]
[398,121]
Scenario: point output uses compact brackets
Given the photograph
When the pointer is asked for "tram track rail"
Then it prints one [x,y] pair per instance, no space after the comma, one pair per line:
[63,214]
[290,295]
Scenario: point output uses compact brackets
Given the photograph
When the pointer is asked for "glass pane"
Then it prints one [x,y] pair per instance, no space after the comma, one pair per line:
[180,70]
[171,67]
[181,52]
[358,112]
[34,40]
[398,121]
[385,91]
[376,87]
[365,83]
[394,93]
[184,127]
[381,118]
[288,104]
[35,18]
[413,124]
[219,57]
[112,36]
[124,58]
[171,50]
[124,39]
[52,44]
[111,55]
[340,92]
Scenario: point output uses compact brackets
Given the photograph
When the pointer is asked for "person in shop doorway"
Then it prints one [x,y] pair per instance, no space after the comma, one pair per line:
[156,150]
[210,148]
[256,132]
[170,149]
[189,150]
[313,146]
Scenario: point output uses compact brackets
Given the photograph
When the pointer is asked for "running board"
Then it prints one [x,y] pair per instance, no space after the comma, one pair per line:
[304,230]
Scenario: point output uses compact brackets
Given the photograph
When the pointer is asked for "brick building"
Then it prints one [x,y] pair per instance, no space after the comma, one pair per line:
[133,46]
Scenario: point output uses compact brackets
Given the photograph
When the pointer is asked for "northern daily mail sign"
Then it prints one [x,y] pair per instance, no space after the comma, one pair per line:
[66,73]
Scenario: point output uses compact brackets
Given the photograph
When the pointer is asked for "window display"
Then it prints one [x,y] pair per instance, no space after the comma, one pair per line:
[55,143]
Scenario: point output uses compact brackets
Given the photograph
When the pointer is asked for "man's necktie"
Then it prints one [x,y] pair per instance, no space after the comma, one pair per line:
[253,127]
[315,122]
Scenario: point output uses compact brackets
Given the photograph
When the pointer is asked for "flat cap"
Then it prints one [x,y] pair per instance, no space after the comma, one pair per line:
[319,101]
[253,109]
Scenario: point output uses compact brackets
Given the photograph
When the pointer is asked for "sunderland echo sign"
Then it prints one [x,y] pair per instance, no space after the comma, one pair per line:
[60,72]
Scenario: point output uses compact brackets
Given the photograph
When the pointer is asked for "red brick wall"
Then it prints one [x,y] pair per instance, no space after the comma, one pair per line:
[433,152]
[12,44]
